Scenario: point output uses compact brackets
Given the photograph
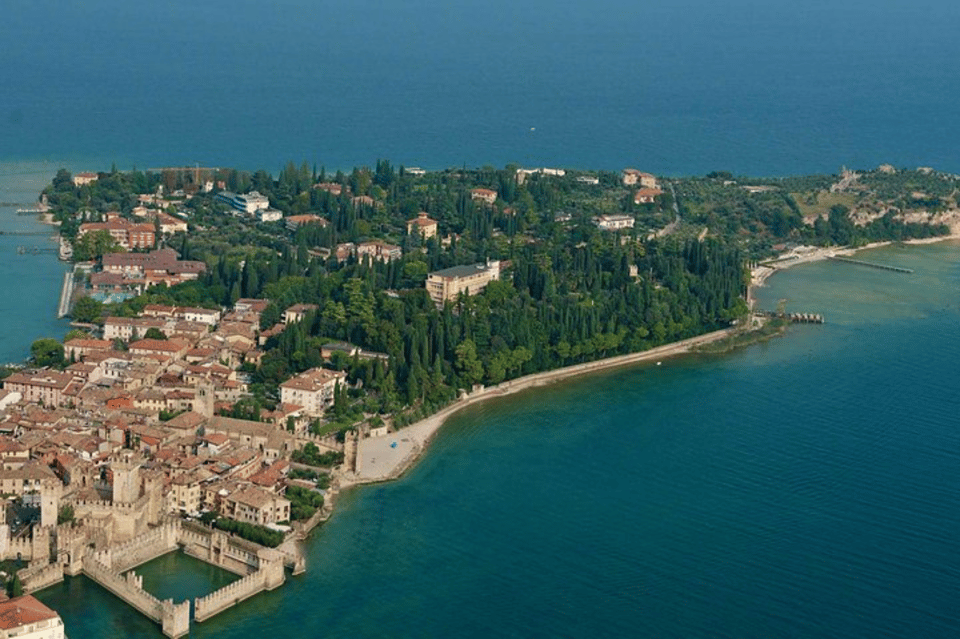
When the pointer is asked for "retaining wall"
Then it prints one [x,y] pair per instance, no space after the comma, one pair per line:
[322,441]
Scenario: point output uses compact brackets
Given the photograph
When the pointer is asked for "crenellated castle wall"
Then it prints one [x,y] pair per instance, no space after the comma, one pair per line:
[39,575]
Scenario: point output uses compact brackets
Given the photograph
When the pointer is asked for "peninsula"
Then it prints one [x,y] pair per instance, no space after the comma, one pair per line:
[247,346]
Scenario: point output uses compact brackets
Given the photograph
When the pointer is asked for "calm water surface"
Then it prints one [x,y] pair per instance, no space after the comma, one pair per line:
[29,284]
[806,487]
[682,87]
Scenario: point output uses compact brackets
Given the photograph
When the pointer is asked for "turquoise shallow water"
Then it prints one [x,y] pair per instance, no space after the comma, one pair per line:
[806,487]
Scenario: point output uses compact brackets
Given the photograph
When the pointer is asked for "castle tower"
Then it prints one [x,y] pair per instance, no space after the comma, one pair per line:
[153,489]
[49,506]
[126,481]
[203,402]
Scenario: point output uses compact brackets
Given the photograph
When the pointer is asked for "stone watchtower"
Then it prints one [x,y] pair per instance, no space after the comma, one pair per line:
[49,505]
[204,399]
[126,481]
[153,489]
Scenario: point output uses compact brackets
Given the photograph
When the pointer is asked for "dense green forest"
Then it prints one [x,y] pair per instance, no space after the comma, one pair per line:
[571,292]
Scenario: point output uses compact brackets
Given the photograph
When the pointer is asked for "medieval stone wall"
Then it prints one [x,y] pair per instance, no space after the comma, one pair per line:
[228,596]
[39,575]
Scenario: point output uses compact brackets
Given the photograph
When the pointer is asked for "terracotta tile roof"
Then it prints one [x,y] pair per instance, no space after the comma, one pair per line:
[21,611]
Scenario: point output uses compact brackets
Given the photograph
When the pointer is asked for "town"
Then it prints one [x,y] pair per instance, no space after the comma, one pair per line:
[238,340]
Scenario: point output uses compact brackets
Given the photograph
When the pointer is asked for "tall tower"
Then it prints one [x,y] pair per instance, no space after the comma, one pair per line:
[49,506]
[126,481]
[203,403]
[153,489]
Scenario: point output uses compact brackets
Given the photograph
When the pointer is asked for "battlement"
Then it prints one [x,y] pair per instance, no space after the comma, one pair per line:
[230,595]
[144,547]
[39,575]
[128,588]
[173,618]
[36,546]
[102,504]
[328,442]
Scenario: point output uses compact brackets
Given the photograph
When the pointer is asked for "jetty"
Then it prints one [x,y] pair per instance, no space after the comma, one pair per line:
[34,250]
[34,233]
[66,293]
[794,318]
[885,267]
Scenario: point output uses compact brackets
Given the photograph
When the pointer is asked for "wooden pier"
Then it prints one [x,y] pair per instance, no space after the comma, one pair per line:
[794,318]
[885,267]
[34,250]
[33,233]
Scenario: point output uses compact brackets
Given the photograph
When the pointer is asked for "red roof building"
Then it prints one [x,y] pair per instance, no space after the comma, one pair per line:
[26,617]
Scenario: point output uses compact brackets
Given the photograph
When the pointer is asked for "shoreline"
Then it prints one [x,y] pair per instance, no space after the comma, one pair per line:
[810,254]
[388,457]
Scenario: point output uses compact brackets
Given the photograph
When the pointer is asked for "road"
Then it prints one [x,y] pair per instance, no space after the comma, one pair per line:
[672,226]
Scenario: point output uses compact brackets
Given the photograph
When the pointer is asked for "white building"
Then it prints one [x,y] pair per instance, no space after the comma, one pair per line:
[249,203]
[313,390]
[81,179]
[297,312]
[446,284]
[26,618]
[207,316]
[270,215]
[614,222]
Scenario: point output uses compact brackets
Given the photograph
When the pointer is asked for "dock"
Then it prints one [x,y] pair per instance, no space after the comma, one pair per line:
[885,267]
[26,233]
[34,250]
[794,318]
[65,294]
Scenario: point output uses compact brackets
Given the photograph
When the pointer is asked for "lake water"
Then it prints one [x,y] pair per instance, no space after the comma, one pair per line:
[682,87]
[29,283]
[805,487]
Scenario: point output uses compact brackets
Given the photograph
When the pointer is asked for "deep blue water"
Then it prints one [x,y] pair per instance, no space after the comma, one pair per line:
[805,487]
[802,488]
[682,87]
